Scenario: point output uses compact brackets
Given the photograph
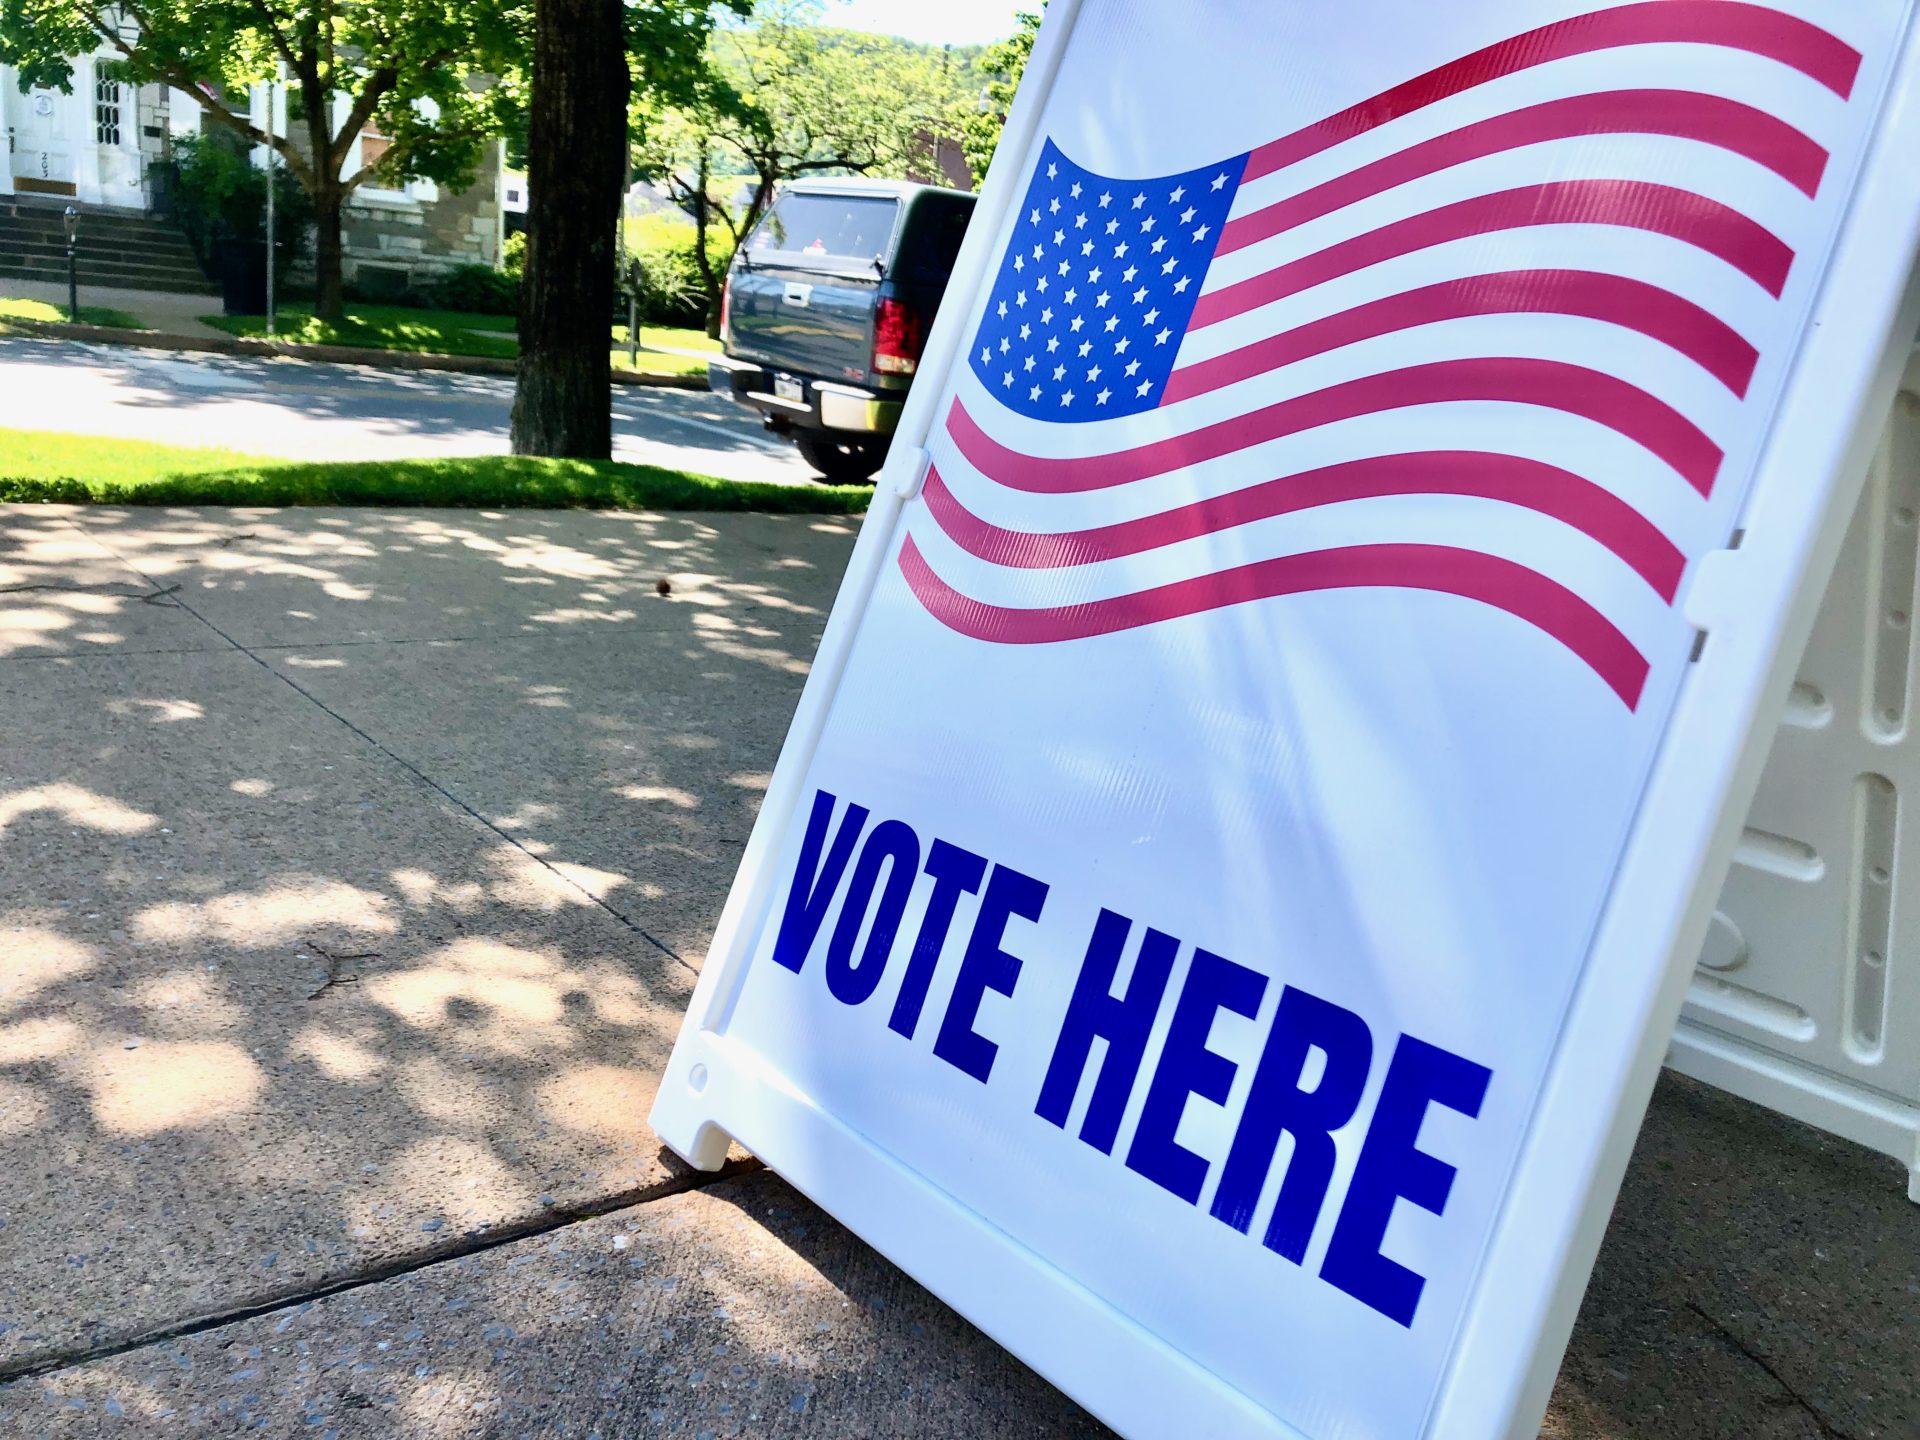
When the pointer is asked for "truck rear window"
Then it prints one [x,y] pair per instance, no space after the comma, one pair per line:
[933,242]
[827,227]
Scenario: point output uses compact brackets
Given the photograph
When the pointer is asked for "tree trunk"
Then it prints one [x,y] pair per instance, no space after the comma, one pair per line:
[576,153]
[712,285]
[329,298]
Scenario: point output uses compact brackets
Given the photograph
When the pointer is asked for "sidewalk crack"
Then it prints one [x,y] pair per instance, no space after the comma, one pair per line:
[1800,1401]
[546,1223]
[414,770]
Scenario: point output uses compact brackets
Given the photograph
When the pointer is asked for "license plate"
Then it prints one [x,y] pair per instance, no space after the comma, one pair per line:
[788,388]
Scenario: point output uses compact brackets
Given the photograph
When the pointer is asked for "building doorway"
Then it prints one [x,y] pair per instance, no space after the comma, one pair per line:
[43,143]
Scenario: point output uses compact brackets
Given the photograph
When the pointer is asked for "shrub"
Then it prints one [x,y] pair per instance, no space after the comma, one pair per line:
[513,254]
[215,193]
[661,247]
[479,290]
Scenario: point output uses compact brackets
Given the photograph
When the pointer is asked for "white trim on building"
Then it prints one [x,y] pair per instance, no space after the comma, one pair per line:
[85,142]
[95,142]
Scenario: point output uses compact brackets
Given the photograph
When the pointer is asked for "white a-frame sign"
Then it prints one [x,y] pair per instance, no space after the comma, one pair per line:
[1807,998]
[1240,854]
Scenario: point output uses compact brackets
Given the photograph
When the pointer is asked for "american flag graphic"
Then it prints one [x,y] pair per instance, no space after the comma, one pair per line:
[1129,375]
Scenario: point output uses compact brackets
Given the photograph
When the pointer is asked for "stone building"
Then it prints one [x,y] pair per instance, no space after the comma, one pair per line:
[97,143]
[394,237]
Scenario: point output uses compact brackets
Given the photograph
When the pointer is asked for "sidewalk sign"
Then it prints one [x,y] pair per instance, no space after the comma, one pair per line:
[1240,854]
[1807,999]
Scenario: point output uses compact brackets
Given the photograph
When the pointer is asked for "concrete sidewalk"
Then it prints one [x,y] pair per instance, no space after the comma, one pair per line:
[160,310]
[354,869]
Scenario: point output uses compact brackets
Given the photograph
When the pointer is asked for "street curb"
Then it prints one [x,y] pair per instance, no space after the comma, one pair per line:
[320,354]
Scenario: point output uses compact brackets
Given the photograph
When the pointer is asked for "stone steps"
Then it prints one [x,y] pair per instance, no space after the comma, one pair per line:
[124,249]
[119,274]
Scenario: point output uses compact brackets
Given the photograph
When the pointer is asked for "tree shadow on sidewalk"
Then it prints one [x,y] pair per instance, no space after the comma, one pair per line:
[351,891]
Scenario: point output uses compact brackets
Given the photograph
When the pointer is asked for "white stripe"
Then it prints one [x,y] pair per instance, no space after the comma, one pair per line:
[1767,85]
[1646,363]
[1685,270]
[1616,464]
[1733,181]
[1526,538]
[1046,440]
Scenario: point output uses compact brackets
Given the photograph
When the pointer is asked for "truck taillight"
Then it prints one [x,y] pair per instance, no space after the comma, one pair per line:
[726,313]
[897,338]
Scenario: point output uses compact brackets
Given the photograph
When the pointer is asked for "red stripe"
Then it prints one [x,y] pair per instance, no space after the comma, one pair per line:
[1509,479]
[1710,119]
[1633,304]
[1682,215]
[1756,29]
[1551,384]
[1523,593]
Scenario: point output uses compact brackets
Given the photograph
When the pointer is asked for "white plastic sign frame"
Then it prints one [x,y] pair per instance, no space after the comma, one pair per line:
[1805,1001]
[1751,596]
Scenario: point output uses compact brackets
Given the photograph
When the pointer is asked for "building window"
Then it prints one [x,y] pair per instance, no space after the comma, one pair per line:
[106,111]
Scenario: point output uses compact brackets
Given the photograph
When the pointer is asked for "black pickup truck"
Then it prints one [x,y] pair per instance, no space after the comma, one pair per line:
[827,308]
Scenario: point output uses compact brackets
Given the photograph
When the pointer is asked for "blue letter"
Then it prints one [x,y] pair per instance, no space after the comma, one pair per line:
[1276,1102]
[985,967]
[814,884]
[1391,1168]
[1123,1023]
[955,872]
[893,844]
[1187,1067]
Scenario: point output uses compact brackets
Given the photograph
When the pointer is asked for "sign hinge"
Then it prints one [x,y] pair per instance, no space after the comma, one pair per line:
[1719,592]
[912,469]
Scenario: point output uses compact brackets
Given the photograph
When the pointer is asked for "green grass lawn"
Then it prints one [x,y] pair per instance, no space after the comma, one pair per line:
[37,465]
[668,337]
[657,344]
[454,332]
[384,327]
[89,314]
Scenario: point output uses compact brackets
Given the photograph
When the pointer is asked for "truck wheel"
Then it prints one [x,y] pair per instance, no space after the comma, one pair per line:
[844,461]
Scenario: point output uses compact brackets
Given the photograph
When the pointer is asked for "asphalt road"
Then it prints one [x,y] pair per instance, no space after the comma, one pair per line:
[304,411]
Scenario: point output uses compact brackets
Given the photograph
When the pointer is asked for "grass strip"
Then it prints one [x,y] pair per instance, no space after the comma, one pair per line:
[454,332]
[649,363]
[42,466]
[40,310]
[383,327]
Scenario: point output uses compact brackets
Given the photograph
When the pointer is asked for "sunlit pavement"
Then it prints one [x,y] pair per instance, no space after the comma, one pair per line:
[299,410]
[354,869]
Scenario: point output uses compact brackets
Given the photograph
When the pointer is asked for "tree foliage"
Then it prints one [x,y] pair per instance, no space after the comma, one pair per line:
[784,96]
[810,99]
[1004,65]
[419,72]
[216,193]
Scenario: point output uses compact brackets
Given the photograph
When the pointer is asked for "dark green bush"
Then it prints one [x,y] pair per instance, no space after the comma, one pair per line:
[384,285]
[479,290]
[215,194]
[662,248]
